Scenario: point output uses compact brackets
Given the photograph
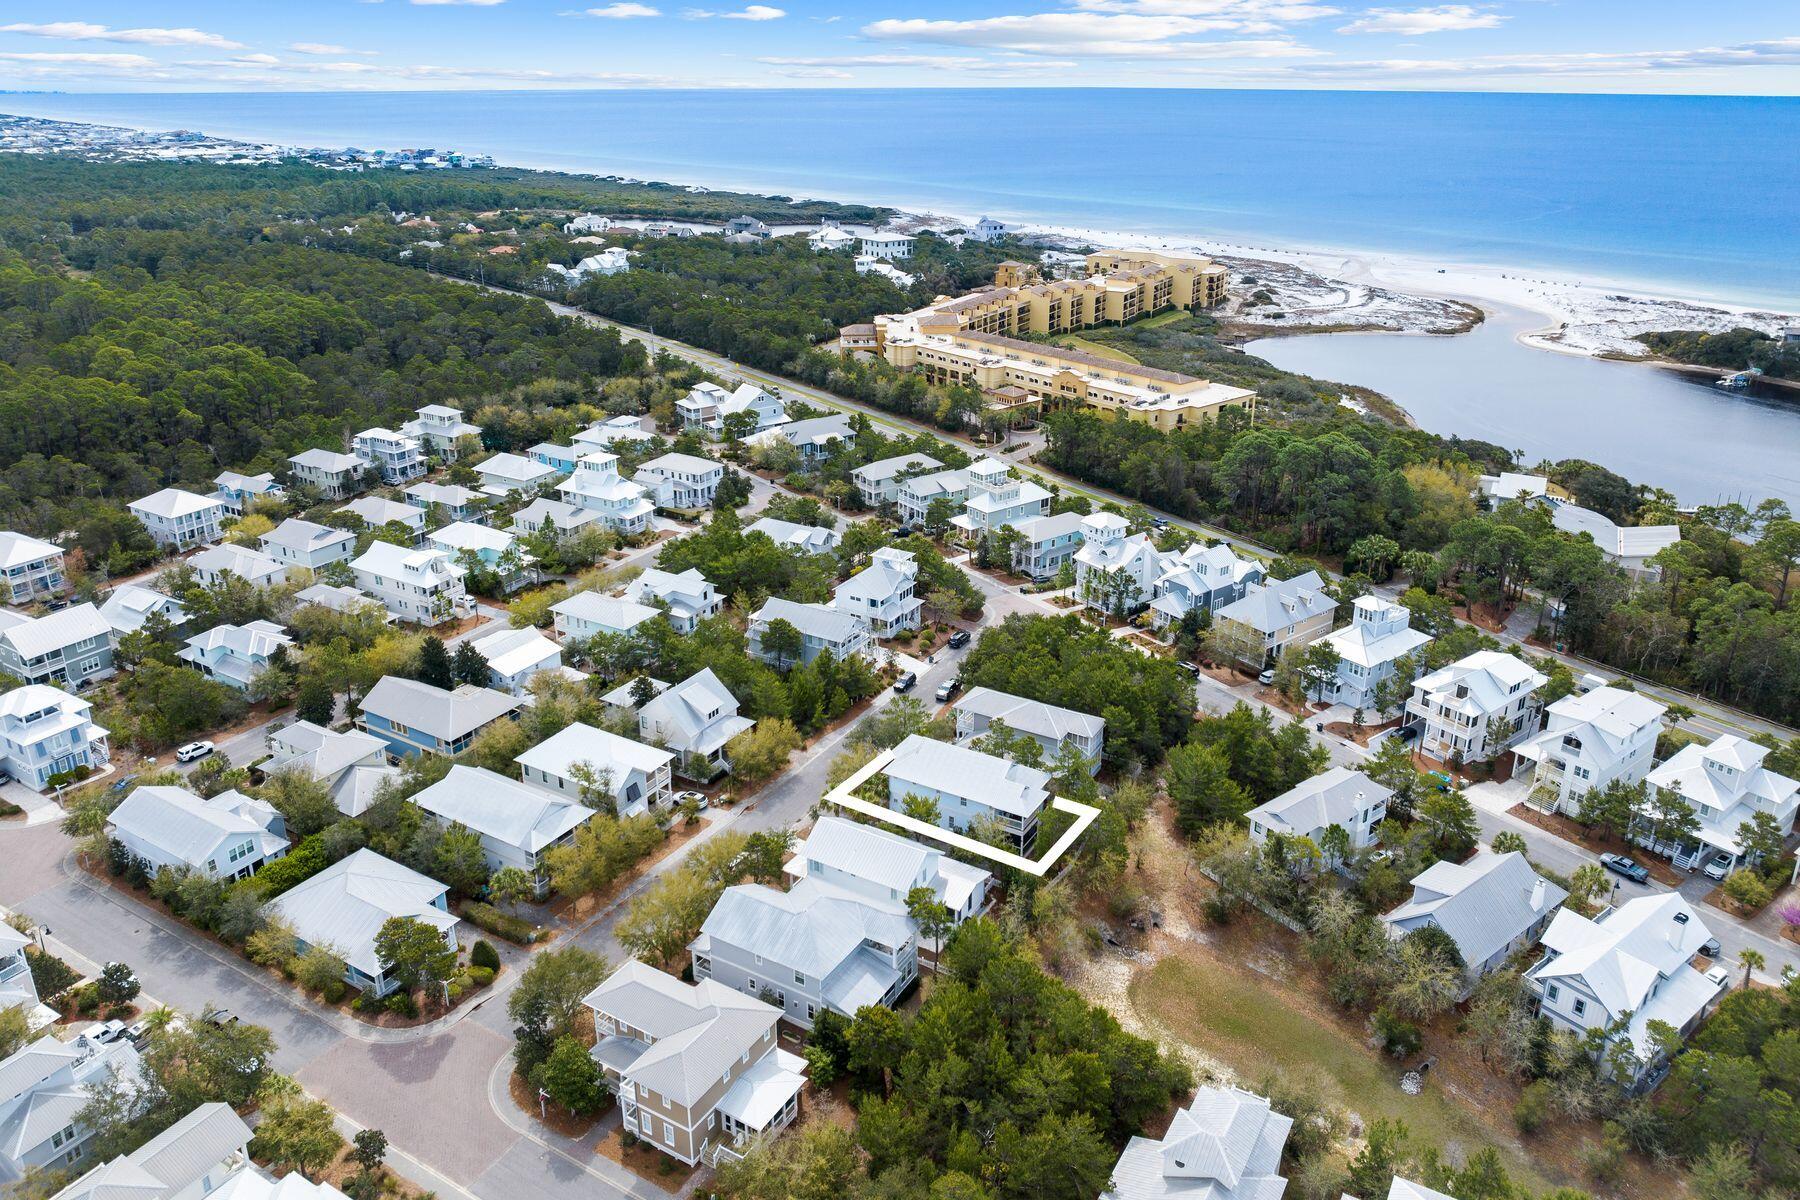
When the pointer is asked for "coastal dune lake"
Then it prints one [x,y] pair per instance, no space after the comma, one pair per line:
[1651,425]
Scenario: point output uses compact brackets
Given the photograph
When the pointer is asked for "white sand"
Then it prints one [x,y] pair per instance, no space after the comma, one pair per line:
[1314,287]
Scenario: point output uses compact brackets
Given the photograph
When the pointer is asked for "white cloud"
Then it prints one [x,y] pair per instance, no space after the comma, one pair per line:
[1090,34]
[327,48]
[815,73]
[753,12]
[87,31]
[1638,65]
[75,58]
[1445,18]
[474,3]
[619,12]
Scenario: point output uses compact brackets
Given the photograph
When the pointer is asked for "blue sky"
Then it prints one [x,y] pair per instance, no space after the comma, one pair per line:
[1676,46]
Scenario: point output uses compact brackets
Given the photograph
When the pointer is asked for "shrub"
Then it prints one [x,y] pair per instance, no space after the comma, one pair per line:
[490,919]
[1399,1037]
[272,945]
[335,991]
[1532,1111]
[302,863]
[1747,888]
[402,1003]
[481,976]
[87,1000]
[483,954]
[49,974]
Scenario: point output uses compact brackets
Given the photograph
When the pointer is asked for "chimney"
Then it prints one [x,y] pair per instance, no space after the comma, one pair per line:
[1537,894]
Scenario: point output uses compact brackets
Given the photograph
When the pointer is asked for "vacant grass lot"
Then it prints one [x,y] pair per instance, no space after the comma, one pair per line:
[1258,1028]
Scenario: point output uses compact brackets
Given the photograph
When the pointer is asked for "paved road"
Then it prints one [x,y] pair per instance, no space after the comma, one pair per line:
[438,1092]
[1711,718]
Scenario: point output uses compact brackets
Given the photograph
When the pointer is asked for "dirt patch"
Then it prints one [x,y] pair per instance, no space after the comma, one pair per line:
[1719,900]
[1362,734]
[645,1161]
[1275,699]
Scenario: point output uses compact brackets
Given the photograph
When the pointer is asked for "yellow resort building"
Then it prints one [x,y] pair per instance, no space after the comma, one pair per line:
[975,339]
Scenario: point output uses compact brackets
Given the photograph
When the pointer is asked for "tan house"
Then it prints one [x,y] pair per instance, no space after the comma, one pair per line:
[1276,615]
[695,1066]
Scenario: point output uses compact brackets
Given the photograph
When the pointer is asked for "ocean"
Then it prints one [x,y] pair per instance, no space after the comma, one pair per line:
[1691,195]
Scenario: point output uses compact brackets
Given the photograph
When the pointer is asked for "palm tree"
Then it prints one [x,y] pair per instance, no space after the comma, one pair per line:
[1751,959]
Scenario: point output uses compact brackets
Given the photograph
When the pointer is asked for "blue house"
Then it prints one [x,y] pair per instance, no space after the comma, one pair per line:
[563,458]
[967,786]
[416,718]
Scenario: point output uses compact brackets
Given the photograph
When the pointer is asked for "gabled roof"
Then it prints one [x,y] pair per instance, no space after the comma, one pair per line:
[352,764]
[305,536]
[1482,904]
[131,604]
[886,468]
[688,464]
[444,715]
[1030,716]
[345,905]
[820,621]
[1042,529]
[466,535]
[242,561]
[1333,798]
[1489,676]
[187,828]
[1619,541]
[1226,1145]
[610,611]
[600,749]
[813,928]
[496,807]
[516,467]
[1724,775]
[1278,604]
[684,706]
[169,1163]
[868,852]
[400,562]
[890,573]
[689,590]
[808,539]
[510,651]
[698,1030]
[34,636]
[328,461]
[379,510]
[258,639]
[998,783]
[1369,645]
[1620,954]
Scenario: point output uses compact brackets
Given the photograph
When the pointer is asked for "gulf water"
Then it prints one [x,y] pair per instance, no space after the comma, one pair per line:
[1693,194]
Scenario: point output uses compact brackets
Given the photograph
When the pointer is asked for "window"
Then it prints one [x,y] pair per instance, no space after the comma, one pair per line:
[1580,1007]
[1552,992]
[800,977]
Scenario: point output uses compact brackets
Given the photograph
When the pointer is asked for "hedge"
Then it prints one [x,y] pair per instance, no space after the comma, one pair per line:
[302,863]
[513,929]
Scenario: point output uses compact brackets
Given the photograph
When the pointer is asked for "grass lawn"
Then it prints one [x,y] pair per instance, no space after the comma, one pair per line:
[1256,1027]
[1167,317]
[1103,350]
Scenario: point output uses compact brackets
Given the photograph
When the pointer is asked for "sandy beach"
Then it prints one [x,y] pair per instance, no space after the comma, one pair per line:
[1314,288]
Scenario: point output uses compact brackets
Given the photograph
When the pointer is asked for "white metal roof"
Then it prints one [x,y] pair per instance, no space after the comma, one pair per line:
[500,808]
[345,905]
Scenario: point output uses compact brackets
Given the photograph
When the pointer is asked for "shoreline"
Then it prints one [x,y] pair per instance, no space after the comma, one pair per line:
[1313,289]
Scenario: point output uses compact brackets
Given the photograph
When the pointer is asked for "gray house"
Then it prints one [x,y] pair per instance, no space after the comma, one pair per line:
[69,646]
[811,948]
[1052,727]
[1492,907]
[821,628]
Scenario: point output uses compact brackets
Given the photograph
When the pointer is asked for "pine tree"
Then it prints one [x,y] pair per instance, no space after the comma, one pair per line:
[434,664]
